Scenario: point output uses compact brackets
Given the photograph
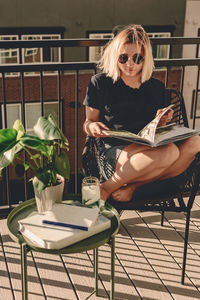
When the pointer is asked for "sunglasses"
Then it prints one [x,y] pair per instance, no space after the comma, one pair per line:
[137,58]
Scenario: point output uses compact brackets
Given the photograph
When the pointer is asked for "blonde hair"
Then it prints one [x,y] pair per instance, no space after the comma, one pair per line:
[130,34]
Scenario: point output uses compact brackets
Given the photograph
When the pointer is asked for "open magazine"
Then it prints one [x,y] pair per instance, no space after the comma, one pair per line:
[153,135]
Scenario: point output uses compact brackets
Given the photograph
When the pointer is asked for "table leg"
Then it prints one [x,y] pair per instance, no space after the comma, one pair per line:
[96,254]
[112,275]
[24,271]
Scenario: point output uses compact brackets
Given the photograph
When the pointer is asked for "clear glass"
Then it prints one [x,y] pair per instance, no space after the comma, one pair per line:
[90,191]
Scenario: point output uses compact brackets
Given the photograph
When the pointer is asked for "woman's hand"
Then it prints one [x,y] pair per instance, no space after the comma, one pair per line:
[166,118]
[95,128]
[92,126]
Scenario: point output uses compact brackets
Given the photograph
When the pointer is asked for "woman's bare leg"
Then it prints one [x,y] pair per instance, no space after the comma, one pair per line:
[188,149]
[138,163]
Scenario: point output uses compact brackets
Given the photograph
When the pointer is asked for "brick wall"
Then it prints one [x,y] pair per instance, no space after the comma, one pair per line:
[68,94]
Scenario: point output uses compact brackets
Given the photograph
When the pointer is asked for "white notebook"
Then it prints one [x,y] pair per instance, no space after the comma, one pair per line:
[73,214]
[57,237]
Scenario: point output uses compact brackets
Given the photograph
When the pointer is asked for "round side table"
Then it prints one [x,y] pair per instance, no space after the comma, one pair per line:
[26,208]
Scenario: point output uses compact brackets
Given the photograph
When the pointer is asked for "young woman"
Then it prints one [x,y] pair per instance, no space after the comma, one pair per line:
[125,96]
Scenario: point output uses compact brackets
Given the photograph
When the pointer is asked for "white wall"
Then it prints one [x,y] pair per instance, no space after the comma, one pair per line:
[192,23]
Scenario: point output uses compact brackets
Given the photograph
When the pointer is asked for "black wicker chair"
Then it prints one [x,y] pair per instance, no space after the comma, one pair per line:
[176,194]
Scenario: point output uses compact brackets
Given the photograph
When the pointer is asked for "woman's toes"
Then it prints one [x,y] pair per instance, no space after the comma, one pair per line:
[124,194]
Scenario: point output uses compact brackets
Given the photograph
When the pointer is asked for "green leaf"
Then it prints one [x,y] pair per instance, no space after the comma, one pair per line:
[27,165]
[61,164]
[35,143]
[20,129]
[46,128]
[7,157]
[41,180]
[53,122]
[7,139]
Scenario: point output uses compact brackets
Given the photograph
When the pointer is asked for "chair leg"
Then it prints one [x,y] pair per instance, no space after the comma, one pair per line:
[162,217]
[185,246]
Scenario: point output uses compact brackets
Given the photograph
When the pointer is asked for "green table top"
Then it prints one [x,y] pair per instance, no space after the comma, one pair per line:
[28,207]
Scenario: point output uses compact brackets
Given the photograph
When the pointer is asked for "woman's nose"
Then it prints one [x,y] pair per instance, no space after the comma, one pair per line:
[130,61]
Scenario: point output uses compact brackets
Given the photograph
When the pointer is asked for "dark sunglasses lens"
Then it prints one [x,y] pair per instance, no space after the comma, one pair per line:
[123,58]
[138,59]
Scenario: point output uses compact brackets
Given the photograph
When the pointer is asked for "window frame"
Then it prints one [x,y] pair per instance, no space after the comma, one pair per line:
[29,130]
[96,32]
[151,30]
[33,31]
[17,104]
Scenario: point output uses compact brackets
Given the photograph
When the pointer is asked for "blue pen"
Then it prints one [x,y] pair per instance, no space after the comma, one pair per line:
[65,225]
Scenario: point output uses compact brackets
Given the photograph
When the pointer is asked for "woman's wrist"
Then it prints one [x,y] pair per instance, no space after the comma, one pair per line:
[86,127]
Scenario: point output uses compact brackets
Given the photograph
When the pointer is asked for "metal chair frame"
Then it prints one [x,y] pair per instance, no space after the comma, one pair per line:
[175,198]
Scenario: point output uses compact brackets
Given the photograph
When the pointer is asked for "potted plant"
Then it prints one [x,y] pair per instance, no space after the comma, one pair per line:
[46,156]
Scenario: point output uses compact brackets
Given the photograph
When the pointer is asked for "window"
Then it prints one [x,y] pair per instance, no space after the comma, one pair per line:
[9,55]
[32,112]
[47,54]
[95,53]
[160,51]
[30,55]
[13,113]
[39,55]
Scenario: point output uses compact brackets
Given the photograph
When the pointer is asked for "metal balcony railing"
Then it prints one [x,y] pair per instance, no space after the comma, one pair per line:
[76,68]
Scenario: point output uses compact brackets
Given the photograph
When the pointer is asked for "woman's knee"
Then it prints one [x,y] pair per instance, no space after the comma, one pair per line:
[191,146]
[170,153]
[162,157]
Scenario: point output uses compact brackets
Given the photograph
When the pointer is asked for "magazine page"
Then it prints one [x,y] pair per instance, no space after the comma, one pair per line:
[173,133]
[126,136]
[149,131]
[145,137]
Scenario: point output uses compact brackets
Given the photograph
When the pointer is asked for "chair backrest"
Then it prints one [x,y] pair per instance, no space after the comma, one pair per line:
[90,158]
[174,97]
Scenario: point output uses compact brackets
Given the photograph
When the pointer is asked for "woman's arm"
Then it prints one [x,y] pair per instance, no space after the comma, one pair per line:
[92,126]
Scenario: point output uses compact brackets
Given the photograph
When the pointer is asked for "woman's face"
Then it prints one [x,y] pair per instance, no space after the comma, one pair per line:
[131,60]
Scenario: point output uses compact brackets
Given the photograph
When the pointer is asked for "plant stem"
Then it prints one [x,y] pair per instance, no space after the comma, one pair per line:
[30,165]
[31,156]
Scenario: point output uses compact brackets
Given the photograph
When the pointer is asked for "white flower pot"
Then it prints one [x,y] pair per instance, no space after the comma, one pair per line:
[50,195]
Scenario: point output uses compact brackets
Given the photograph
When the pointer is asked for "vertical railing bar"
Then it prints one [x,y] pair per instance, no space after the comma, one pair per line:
[20,55]
[197,50]
[196,97]
[196,90]
[7,191]
[23,99]
[167,78]
[76,130]
[59,100]
[95,70]
[42,92]
[4,99]
[182,79]
[24,123]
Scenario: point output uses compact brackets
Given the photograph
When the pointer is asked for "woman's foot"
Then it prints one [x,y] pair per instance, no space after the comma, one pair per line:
[104,194]
[124,194]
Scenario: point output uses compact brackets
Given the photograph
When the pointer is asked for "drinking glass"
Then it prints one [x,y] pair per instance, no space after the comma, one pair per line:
[90,190]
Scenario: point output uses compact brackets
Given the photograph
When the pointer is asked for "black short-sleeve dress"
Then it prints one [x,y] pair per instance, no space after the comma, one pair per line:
[122,108]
